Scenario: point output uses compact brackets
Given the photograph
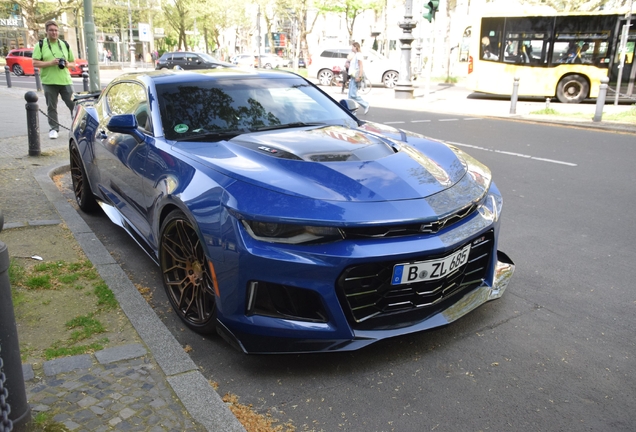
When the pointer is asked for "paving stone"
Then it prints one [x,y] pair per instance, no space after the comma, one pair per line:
[97,410]
[67,364]
[87,401]
[126,413]
[70,425]
[120,353]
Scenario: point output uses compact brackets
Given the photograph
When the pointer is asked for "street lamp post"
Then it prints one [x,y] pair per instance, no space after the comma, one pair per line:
[131,44]
[404,87]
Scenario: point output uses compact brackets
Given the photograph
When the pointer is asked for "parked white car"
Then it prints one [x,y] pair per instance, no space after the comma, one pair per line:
[376,67]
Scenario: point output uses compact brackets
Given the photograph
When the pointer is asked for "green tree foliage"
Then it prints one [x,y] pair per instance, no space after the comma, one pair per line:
[178,15]
[35,13]
[352,9]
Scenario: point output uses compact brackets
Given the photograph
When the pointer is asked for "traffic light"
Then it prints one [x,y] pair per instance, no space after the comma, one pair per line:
[429,10]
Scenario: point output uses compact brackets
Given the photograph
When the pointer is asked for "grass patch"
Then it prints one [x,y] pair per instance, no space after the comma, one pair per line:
[628,116]
[50,294]
[625,117]
[17,297]
[69,278]
[57,351]
[87,325]
[43,421]
[16,273]
[38,282]
[546,111]
[105,296]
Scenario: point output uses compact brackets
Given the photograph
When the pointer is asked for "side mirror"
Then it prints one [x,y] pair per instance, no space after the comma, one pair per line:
[125,124]
[350,105]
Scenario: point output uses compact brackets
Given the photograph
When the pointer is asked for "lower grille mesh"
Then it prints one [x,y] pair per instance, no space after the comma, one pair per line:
[370,301]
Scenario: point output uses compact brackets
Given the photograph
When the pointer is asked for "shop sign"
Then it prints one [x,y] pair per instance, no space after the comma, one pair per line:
[11,22]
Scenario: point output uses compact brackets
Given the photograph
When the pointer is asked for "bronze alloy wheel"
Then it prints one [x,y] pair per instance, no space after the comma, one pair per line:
[186,274]
[81,189]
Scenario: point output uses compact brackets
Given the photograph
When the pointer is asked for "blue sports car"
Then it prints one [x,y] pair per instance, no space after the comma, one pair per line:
[279,219]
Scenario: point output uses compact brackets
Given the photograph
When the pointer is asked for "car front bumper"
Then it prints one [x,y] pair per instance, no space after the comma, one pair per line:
[255,344]
[314,308]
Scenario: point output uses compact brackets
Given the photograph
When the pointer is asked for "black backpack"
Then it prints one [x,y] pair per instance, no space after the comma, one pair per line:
[68,49]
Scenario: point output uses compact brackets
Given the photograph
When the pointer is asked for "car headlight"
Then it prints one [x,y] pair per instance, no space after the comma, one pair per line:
[291,234]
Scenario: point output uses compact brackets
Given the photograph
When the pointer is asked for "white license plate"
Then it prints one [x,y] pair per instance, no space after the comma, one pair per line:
[429,270]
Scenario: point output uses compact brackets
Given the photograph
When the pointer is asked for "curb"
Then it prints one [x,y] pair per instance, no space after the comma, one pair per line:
[202,402]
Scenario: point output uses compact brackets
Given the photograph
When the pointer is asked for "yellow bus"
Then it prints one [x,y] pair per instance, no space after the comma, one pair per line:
[553,55]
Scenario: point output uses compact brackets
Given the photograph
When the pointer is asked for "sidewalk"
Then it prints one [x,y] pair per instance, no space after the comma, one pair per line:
[150,383]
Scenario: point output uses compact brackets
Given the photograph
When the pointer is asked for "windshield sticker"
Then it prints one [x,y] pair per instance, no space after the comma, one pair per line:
[181,128]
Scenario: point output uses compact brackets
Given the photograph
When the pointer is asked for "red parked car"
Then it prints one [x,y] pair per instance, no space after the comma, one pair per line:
[20,63]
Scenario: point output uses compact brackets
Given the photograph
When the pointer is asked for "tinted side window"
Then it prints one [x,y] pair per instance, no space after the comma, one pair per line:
[125,97]
[327,53]
[178,57]
[28,54]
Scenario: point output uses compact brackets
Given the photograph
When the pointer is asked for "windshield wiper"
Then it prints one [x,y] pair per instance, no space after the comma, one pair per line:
[286,126]
[213,135]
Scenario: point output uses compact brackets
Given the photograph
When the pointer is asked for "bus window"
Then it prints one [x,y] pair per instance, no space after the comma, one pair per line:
[527,40]
[581,52]
[491,31]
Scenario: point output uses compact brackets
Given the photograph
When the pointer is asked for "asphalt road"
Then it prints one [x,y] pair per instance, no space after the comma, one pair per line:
[555,353]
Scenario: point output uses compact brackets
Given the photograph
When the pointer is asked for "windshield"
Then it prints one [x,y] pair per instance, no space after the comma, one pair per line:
[208,58]
[190,109]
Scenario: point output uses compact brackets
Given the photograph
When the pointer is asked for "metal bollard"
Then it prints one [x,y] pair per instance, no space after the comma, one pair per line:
[547,104]
[600,101]
[7,72]
[38,81]
[85,80]
[33,123]
[514,97]
[10,362]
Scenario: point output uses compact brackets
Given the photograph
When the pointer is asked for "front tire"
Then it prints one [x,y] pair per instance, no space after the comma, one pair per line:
[572,89]
[325,76]
[186,274]
[17,70]
[81,188]
[390,79]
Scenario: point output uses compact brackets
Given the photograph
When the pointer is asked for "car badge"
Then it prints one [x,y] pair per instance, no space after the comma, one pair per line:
[267,149]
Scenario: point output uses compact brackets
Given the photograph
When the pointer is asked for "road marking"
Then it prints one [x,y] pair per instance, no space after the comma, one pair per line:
[521,155]
[420,121]
[473,118]
[447,119]
[395,122]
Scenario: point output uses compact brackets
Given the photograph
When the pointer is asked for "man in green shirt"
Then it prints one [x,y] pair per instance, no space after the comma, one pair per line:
[53,57]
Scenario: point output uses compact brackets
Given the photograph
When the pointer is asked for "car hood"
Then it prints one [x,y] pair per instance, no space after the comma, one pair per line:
[334,163]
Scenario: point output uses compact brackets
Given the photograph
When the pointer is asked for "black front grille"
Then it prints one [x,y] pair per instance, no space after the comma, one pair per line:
[371,302]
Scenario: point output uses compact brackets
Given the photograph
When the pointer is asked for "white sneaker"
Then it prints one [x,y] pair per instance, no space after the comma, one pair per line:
[366,110]
[52,134]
